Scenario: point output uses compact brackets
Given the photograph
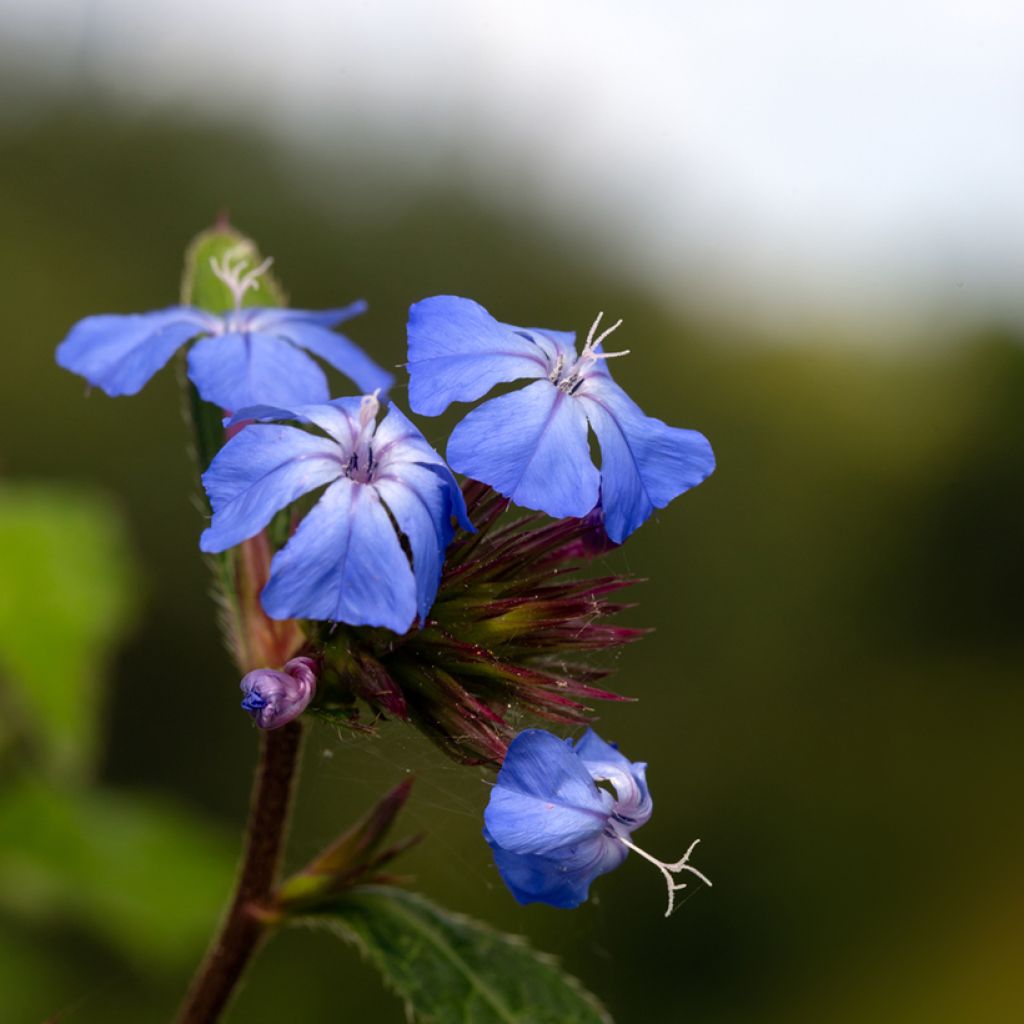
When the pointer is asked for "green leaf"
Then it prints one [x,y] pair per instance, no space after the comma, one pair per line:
[66,583]
[139,872]
[450,969]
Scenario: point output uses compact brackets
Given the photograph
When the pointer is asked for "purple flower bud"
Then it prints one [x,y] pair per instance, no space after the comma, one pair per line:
[274,697]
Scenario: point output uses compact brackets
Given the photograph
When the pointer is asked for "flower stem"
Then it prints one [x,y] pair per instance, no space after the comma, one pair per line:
[245,927]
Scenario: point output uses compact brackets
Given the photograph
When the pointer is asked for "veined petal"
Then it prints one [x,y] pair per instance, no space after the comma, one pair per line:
[338,418]
[644,462]
[239,370]
[398,441]
[344,564]
[259,471]
[562,879]
[604,761]
[544,798]
[120,353]
[531,446]
[420,500]
[458,352]
[311,331]
[259,318]
[552,343]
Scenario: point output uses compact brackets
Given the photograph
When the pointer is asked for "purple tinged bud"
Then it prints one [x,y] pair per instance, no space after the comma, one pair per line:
[273,697]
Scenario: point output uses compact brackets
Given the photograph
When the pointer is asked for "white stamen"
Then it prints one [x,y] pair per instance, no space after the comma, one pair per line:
[557,371]
[604,334]
[592,342]
[231,270]
[368,409]
[590,335]
[668,870]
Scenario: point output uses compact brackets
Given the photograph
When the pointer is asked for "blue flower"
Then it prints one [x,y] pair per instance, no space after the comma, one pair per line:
[346,561]
[553,826]
[532,445]
[249,356]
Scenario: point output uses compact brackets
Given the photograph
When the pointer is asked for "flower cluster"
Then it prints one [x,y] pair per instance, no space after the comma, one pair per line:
[424,600]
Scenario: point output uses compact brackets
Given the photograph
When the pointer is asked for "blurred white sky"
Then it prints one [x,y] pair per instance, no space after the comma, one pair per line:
[795,154]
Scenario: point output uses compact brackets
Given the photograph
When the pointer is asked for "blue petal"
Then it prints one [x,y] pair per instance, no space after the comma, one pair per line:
[644,463]
[344,564]
[561,880]
[552,343]
[544,798]
[120,353]
[311,331]
[260,470]
[633,804]
[530,446]
[458,352]
[398,441]
[338,418]
[420,500]
[259,317]
[239,370]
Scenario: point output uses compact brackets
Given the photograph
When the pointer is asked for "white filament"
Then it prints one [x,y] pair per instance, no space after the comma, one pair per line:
[231,269]
[668,870]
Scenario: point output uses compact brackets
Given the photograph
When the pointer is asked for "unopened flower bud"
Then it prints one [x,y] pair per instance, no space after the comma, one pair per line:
[273,697]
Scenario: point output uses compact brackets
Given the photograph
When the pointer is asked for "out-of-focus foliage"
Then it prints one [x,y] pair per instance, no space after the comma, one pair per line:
[832,697]
[65,595]
[138,874]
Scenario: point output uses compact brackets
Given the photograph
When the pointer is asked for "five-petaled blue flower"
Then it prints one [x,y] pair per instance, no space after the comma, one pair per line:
[346,561]
[532,445]
[554,828]
[250,356]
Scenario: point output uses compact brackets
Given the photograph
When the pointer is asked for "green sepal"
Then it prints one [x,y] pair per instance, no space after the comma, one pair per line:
[354,858]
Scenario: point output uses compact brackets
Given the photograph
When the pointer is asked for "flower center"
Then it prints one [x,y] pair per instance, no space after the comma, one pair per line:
[570,381]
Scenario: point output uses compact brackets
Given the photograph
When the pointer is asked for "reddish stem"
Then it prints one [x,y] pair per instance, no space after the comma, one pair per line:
[244,927]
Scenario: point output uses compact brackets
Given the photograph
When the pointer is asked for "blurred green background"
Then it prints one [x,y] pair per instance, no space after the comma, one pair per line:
[831,699]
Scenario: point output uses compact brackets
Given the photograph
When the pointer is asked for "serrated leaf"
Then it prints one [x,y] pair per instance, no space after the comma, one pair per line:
[450,969]
[66,582]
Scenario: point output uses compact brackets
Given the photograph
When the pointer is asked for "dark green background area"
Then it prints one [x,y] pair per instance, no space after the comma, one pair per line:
[831,699]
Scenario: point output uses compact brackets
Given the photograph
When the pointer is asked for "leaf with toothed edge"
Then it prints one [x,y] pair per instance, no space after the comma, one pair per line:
[450,969]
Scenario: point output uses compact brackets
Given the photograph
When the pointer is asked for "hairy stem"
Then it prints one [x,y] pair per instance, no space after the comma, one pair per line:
[244,927]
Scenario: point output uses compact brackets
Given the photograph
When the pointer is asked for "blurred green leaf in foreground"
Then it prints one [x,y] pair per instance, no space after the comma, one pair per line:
[73,854]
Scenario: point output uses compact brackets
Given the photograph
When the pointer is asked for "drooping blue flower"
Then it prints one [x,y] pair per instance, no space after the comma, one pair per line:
[250,356]
[532,445]
[346,561]
[553,829]
[273,697]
